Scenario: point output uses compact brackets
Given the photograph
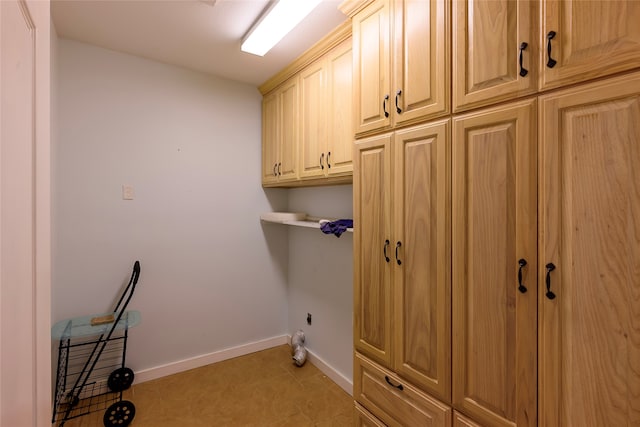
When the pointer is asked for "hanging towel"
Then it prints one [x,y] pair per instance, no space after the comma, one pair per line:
[336,227]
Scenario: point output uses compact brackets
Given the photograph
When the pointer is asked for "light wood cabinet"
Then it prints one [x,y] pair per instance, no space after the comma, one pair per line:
[587,39]
[401,63]
[589,345]
[326,115]
[307,117]
[495,47]
[280,134]
[402,254]
[495,265]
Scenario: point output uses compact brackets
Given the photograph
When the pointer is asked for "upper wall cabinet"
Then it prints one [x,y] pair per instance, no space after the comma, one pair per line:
[307,117]
[326,115]
[400,61]
[280,134]
[495,51]
[584,40]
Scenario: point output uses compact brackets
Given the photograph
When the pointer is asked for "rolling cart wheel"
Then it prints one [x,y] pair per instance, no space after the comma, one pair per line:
[120,414]
[120,379]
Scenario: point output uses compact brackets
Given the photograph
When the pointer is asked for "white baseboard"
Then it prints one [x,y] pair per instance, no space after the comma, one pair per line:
[229,353]
[345,383]
[207,359]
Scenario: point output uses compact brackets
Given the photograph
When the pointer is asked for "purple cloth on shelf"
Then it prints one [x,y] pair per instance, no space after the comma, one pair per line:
[336,227]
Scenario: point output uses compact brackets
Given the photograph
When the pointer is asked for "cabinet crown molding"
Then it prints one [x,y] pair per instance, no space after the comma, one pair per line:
[338,35]
[351,7]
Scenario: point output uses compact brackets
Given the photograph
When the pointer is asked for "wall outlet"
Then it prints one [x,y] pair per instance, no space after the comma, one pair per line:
[308,318]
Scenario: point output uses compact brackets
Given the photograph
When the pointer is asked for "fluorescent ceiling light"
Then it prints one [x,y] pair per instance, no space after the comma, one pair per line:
[276,23]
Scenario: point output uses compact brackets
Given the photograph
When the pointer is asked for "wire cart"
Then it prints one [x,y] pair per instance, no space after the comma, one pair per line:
[91,374]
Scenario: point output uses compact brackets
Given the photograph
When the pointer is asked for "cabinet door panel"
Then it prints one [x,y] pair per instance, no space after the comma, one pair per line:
[289,133]
[421,59]
[593,39]
[340,110]
[372,224]
[371,66]
[270,137]
[312,120]
[422,289]
[494,226]
[486,39]
[590,226]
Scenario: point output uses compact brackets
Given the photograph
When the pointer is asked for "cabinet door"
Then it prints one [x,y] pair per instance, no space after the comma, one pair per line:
[312,120]
[371,67]
[422,261]
[421,60]
[288,163]
[592,39]
[590,231]
[487,41]
[494,227]
[339,155]
[372,248]
[270,137]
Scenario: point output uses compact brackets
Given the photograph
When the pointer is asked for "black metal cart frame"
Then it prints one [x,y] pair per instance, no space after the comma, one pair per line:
[91,373]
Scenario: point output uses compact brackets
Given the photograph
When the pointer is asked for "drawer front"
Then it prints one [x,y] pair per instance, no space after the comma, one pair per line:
[460,420]
[393,401]
[364,418]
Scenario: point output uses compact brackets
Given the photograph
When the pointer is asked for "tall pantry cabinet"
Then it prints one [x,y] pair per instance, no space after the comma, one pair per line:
[497,236]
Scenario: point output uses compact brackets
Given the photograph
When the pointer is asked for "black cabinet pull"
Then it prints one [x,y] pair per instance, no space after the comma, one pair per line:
[398,93]
[388,380]
[523,71]
[329,160]
[384,105]
[521,262]
[279,168]
[321,159]
[550,267]
[551,62]
[275,172]
[384,250]
[397,247]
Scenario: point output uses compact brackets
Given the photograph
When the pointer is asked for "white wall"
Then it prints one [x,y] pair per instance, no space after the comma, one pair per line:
[212,276]
[321,277]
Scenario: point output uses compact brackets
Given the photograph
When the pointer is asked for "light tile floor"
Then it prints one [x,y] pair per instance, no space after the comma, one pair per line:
[260,389]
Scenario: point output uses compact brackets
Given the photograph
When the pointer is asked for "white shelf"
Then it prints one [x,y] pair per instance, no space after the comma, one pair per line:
[308,221]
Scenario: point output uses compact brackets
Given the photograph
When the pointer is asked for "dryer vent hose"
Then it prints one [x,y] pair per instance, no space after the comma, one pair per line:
[297,348]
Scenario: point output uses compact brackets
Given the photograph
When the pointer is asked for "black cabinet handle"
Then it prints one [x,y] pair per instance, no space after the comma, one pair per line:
[521,262]
[550,267]
[384,250]
[275,172]
[329,160]
[384,105]
[397,247]
[321,160]
[551,62]
[398,93]
[523,71]
[388,380]
[279,168]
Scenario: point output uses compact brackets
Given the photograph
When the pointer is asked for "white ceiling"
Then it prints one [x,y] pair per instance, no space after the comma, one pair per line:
[202,35]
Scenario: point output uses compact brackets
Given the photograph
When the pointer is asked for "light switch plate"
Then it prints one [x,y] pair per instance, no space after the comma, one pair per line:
[127,192]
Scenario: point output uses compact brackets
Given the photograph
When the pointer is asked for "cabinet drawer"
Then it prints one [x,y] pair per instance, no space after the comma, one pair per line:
[460,420]
[393,401]
[365,419]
